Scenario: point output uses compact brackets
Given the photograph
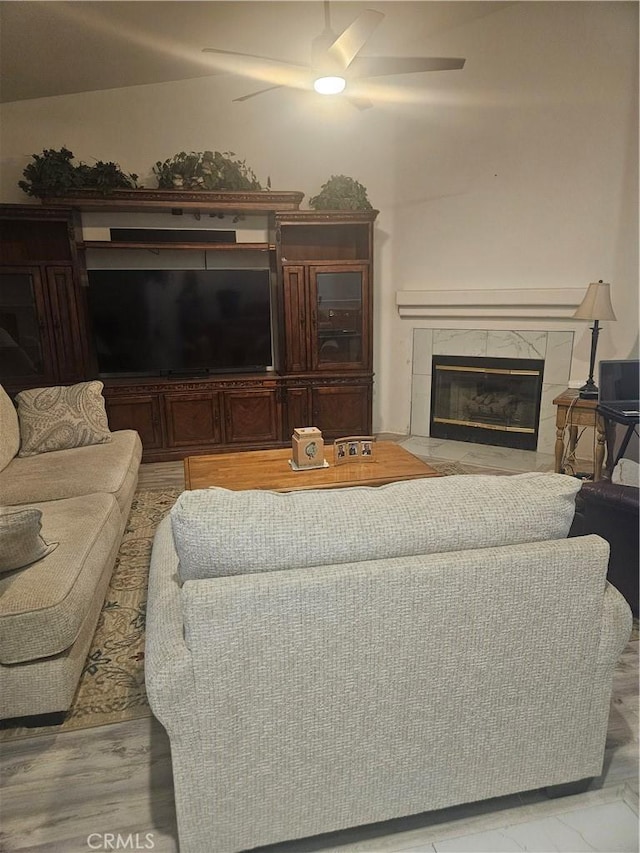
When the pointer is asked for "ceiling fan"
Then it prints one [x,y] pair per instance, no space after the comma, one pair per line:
[336,60]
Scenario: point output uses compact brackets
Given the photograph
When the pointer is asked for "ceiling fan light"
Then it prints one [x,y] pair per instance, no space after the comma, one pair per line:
[329,85]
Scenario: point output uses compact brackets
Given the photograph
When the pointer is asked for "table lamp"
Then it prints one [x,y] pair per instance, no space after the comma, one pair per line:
[595,306]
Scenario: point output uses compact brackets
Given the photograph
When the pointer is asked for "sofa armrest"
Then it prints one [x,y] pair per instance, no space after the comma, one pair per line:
[615,631]
[168,665]
[614,496]
[617,623]
[610,510]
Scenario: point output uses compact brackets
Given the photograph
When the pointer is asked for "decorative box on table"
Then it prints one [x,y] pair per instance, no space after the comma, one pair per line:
[307,448]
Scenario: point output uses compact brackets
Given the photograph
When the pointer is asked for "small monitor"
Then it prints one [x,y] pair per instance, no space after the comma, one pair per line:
[619,380]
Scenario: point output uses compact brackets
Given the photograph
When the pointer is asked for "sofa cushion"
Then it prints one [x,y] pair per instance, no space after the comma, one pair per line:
[42,607]
[68,473]
[62,417]
[219,532]
[9,430]
[20,541]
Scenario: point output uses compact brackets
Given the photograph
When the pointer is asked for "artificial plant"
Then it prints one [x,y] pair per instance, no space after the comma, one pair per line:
[206,170]
[341,193]
[53,173]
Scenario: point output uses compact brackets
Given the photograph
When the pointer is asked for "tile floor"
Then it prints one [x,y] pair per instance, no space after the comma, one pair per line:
[498,459]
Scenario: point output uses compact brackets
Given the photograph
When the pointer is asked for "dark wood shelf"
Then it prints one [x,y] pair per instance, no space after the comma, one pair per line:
[209,247]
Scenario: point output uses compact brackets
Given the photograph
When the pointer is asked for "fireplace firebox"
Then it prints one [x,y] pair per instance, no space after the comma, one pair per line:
[487,400]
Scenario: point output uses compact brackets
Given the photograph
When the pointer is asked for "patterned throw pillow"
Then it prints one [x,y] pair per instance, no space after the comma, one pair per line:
[62,417]
[20,541]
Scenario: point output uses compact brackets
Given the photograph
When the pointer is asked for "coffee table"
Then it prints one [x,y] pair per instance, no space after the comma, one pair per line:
[269,469]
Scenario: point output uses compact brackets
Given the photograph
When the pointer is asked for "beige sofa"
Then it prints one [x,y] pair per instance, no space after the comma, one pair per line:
[323,659]
[49,610]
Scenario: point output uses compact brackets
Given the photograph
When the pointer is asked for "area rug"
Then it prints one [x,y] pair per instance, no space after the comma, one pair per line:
[445,468]
[111,688]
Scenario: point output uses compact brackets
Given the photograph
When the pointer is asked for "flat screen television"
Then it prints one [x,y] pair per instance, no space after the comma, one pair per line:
[188,322]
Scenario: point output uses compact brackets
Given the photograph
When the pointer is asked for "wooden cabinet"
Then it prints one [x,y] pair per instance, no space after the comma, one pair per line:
[26,331]
[192,419]
[67,321]
[43,337]
[326,266]
[136,411]
[335,407]
[296,320]
[251,416]
[297,409]
[339,318]
[321,307]
[326,271]
[341,410]
[180,417]
[327,317]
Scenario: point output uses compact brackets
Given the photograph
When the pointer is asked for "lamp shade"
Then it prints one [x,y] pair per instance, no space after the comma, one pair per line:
[596,304]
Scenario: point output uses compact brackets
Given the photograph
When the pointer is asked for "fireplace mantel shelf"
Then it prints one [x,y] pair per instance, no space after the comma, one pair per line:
[523,302]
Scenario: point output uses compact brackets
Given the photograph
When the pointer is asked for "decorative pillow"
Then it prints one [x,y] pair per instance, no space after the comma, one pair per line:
[62,417]
[20,541]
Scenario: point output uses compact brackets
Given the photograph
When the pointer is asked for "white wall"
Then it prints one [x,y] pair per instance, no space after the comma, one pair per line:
[519,171]
[527,177]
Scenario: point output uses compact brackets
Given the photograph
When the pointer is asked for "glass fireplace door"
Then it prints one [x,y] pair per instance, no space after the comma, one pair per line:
[487,400]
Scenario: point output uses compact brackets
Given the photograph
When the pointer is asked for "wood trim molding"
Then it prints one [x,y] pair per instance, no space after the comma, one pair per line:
[525,303]
[149,199]
[331,217]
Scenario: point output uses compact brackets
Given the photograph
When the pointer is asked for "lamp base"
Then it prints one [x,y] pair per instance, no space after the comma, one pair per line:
[589,391]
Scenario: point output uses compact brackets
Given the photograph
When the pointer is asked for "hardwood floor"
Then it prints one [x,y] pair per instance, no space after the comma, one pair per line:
[161,475]
[65,793]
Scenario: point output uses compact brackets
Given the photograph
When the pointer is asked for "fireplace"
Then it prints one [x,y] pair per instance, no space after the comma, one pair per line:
[486,400]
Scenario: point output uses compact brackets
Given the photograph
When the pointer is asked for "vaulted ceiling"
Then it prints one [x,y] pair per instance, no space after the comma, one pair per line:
[58,48]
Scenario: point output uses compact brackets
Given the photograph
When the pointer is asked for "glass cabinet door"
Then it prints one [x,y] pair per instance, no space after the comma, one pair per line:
[24,341]
[339,334]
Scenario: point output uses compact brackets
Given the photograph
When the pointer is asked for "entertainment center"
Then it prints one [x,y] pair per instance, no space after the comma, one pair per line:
[217,321]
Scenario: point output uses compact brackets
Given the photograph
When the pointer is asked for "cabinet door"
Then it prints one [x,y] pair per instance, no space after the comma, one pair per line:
[298,410]
[339,317]
[295,319]
[342,410]
[192,419]
[26,352]
[251,416]
[140,412]
[67,328]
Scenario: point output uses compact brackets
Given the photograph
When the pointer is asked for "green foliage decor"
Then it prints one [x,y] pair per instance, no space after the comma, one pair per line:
[341,193]
[53,173]
[206,170]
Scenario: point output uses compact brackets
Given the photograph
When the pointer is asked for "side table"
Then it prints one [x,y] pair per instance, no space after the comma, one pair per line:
[573,412]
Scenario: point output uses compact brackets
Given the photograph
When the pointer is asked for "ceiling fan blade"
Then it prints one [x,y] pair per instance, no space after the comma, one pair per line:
[346,46]
[252,56]
[259,92]
[360,103]
[383,66]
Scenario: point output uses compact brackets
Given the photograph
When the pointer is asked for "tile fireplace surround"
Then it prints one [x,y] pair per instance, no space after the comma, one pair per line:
[555,347]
